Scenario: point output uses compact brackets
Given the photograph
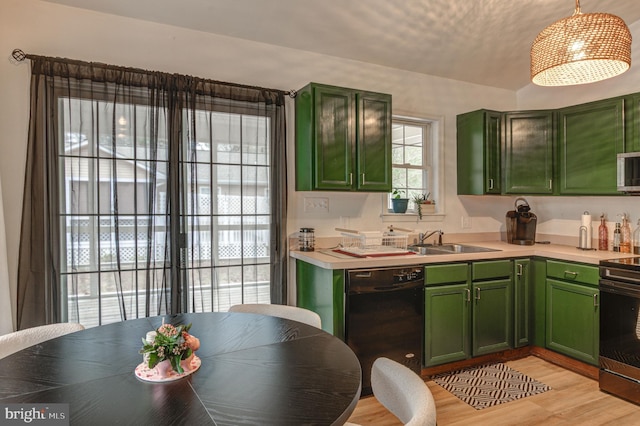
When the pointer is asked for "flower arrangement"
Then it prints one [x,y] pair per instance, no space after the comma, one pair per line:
[169,343]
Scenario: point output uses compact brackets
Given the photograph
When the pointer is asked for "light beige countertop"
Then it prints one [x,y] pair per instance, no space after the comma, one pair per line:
[325,258]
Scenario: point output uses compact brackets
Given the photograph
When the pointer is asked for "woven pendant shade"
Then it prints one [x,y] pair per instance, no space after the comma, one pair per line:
[582,48]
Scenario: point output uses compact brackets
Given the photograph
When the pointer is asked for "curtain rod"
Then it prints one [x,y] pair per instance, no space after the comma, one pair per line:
[19,55]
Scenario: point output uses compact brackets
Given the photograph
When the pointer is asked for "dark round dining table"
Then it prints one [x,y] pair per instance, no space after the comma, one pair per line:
[256,370]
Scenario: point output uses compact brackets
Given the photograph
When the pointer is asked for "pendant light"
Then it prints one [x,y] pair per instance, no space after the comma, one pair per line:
[583,48]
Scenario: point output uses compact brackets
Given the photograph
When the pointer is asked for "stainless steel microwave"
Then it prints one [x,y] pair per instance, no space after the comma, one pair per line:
[629,172]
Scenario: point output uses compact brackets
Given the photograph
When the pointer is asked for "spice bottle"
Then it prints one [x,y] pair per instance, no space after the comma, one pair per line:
[636,239]
[603,234]
[625,235]
[616,237]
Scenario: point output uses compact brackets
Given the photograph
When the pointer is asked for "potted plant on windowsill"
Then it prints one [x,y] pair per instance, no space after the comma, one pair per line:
[398,203]
[424,204]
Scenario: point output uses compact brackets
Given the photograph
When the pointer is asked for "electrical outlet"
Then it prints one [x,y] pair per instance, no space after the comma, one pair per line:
[466,222]
[316,205]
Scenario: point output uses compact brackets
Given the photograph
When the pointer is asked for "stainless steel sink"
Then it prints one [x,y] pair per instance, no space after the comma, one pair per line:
[430,249]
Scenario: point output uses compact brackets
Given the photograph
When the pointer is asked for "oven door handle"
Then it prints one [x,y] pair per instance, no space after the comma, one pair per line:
[610,274]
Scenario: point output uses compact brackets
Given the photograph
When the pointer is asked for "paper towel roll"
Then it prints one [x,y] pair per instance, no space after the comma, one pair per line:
[586,222]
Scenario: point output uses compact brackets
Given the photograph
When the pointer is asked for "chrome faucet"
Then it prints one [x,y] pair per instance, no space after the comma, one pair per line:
[422,237]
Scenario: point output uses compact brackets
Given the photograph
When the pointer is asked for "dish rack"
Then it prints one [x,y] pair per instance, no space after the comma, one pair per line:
[374,243]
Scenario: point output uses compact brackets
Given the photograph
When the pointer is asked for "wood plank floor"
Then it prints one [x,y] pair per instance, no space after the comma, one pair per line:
[574,400]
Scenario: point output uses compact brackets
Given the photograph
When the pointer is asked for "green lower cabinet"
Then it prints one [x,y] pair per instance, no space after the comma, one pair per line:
[446,324]
[573,320]
[322,291]
[465,318]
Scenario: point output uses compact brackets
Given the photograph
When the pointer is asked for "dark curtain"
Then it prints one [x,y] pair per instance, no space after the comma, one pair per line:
[119,194]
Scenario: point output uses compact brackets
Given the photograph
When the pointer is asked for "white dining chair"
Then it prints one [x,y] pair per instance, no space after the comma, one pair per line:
[21,339]
[403,393]
[282,311]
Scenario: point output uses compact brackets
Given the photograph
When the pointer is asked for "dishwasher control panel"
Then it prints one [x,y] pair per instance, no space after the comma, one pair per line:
[366,280]
[412,274]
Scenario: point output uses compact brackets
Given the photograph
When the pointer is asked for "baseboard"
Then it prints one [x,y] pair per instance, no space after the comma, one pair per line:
[587,370]
[563,361]
[501,356]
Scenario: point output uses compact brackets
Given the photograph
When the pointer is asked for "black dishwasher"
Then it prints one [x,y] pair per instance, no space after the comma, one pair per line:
[385,317]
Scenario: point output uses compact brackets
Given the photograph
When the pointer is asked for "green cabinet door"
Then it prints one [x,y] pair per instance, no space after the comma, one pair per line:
[479,139]
[492,322]
[343,139]
[522,302]
[373,150]
[446,324]
[590,136]
[528,152]
[573,320]
[492,306]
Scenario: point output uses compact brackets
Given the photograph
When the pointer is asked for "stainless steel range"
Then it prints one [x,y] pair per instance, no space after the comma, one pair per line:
[620,328]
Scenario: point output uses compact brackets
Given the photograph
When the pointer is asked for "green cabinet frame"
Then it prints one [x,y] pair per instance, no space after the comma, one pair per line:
[343,139]
[522,302]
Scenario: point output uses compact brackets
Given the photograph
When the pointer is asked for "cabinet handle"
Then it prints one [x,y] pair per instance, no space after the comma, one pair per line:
[477,293]
[520,273]
[595,300]
[490,183]
[363,181]
[550,184]
[468,295]
[574,275]
[350,178]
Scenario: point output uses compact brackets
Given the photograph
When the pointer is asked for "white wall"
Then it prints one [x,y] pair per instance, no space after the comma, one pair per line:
[52,30]
[48,29]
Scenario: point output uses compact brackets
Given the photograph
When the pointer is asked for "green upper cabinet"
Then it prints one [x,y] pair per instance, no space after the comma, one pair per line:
[528,152]
[590,137]
[479,139]
[632,123]
[343,139]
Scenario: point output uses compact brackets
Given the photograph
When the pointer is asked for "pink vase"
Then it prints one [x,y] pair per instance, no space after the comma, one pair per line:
[187,363]
[163,368]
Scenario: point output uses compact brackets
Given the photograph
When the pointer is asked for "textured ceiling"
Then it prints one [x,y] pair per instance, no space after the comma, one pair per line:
[479,41]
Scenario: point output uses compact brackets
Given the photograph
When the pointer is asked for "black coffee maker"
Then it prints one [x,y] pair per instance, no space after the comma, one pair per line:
[521,224]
